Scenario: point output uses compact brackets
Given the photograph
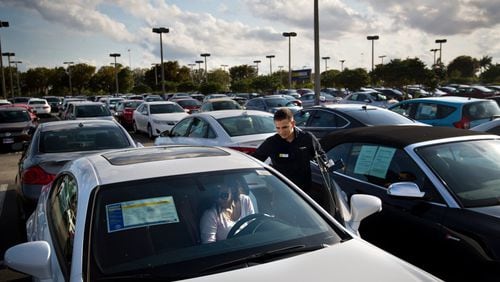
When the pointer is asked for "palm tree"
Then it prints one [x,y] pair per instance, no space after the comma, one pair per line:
[485,63]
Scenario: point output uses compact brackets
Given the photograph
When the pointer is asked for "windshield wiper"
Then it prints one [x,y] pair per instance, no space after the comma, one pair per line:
[262,257]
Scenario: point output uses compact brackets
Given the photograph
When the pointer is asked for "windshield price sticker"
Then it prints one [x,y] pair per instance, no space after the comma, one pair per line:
[374,161]
[140,213]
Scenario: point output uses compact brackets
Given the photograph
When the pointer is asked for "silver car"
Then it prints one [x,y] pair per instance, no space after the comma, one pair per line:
[135,215]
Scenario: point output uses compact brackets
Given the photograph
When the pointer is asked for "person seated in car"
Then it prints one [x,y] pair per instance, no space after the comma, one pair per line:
[229,207]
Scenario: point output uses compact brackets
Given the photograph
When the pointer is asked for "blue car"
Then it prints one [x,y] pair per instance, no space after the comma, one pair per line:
[459,112]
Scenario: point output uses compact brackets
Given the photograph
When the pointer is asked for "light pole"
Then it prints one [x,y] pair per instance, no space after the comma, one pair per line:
[156,73]
[116,72]
[372,38]
[270,57]
[8,54]
[382,58]
[326,59]
[440,41]
[434,51]
[289,35]
[161,30]
[17,74]
[129,60]
[224,67]
[342,65]
[4,90]
[205,55]
[257,66]
[199,62]
[69,74]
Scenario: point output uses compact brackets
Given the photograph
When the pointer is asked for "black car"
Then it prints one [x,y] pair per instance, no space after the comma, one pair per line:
[440,192]
[270,104]
[16,127]
[321,120]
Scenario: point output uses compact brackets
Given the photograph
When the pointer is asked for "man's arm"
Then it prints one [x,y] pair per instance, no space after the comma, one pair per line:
[262,152]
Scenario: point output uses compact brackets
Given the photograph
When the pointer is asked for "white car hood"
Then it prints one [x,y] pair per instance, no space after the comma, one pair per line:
[354,260]
[169,116]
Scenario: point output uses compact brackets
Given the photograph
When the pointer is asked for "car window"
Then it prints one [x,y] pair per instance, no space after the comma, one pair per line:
[482,110]
[14,116]
[199,129]
[84,111]
[61,210]
[247,125]
[325,119]
[165,218]
[301,117]
[382,166]
[426,111]
[181,128]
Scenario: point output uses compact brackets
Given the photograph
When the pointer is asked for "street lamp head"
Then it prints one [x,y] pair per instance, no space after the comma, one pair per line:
[160,30]
[325,58]
[8,54]
[289,34]
[342,61]
[440,40]
[205,54]
[114,55]
[4,24]
[257,61]
[68,63]
[434,50]
[199,61]
[270,56]
[16,62]
[372,37]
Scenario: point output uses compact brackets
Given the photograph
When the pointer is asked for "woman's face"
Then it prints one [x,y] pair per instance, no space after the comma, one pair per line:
[224,196]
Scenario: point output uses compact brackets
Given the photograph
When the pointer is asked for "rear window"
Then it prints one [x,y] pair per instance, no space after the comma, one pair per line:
[37,102]
[14,116]
[481,110]
[247,125]
[92,111]
[166,108]
[225,105]
[86,138]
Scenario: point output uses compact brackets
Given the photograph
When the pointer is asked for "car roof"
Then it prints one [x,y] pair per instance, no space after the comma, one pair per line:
[158,102]
[393,135]
[232,113]
[86,103]
[159,161]
[55,125]
[448,99]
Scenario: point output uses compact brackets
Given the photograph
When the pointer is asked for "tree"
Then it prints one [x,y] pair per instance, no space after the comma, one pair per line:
[485,63]
[242,85]
[80,76]
[125,80]
[491,75]
[352,79]
[220,77]
[265,83]
[463,69]
[328,78]
[104,80]
[37,81]
[242,72]
[211,87]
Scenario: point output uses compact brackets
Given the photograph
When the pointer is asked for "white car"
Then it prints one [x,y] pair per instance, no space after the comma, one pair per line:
[155,117]
[40,106]
[373,98]
[242,130]
[135,215]
[492,127]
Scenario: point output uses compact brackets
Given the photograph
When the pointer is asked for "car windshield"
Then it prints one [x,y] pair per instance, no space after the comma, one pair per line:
[470,170]
[83,111]
[247,125]
[86,138]
[14,116]
[37,102]
[164,217]
[184,103]
[379,117]
[166,108]
[278,102]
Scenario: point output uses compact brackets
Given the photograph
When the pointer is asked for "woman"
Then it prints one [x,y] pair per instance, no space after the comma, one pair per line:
[230,206]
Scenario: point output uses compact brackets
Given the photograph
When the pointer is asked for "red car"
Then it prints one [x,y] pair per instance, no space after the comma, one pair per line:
[33,116]
[124,111]
[190,105]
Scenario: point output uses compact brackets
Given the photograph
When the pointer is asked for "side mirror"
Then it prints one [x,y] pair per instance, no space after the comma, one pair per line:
[405,189]
[165,133]
[363,206]
[32,258]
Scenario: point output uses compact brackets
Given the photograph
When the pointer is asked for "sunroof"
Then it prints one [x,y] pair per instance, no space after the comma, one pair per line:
[154,154]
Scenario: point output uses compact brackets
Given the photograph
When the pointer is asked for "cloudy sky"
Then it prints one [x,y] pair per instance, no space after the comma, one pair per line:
[235,32]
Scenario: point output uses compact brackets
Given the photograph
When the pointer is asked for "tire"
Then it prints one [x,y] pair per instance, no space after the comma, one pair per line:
[150,132]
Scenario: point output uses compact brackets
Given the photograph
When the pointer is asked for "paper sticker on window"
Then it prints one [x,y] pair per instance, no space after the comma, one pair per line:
[134,214]
[374,161]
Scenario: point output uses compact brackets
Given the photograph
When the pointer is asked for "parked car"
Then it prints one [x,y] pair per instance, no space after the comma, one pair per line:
[64,105]
[373,98]
[242,130]
[57,142]
[116,224]
[32,114]
[439,192]
[270,104]
[5,102]
[474,91]
[190,105]
[110,102]
[218,104]
[153,98]
[495,98]
[309,99]
[155,117]
[40,106]
[19,100]
[492,127]
[179,96]
[212,96]
[391,93]
[54,102]
[16,128]
[457,112]
[124,112]
[197,96]
[88,110]
[321,120]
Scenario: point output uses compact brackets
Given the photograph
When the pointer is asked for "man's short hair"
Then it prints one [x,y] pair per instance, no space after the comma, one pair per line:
[283,113]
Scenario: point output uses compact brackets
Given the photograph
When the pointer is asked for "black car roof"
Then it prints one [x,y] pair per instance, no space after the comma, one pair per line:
[394,136]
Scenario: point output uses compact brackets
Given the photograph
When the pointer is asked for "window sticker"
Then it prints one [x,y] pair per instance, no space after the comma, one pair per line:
[134,214]
[374,161]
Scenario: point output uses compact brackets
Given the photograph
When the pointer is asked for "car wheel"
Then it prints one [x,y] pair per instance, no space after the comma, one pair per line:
[150,132]
[135,128]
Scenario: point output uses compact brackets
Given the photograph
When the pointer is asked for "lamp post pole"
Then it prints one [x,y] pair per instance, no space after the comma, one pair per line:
[372,38]
[342,65]
[205,55]
[8,54]
[116,72]
[69,74]
[382,58]
[199,62]
[257,66]
[440,41]
[17,74]
[156,73]
[289,35]
[434,51]
[161,30]
[326,59]
[270,57]
[4,89]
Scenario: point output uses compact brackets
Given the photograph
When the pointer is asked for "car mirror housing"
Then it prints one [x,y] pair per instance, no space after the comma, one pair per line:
[363,206]
[32,258]
[405,189]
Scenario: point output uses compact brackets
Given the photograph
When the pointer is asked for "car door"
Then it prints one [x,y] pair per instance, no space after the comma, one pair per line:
[408,227]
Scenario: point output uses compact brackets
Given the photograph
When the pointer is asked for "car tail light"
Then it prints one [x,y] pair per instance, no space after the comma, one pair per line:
[463,123]
[246,150]
[36,175]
